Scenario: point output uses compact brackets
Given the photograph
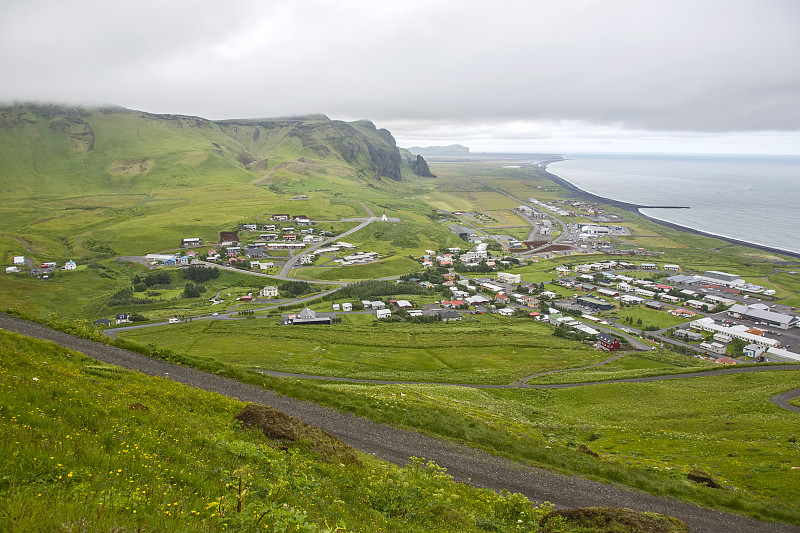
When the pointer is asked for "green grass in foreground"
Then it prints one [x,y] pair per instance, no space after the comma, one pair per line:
[78,455]
[708,418]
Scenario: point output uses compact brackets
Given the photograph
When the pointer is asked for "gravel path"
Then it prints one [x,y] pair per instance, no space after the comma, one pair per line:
[395,445]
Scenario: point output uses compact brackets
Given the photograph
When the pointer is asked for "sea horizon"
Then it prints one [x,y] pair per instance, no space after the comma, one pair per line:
[719,189]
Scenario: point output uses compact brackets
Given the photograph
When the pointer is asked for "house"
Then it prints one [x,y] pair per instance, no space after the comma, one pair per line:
[270,291]
[347,306]
[449,315]
[377,305]
[191,242]
[654,305]
[608,342]
[245,298]
[172,261]
[713,347]
[383,313]
[268,227]
[183,260]
[102,322]
[688,335]
[306,259]
[306,316]
[249,227]
[19,259]
[280,217]
[366,304]
[697,304]
[506,311]
[70,265]
[404,304]
[123,318]
[683,313]
[505,277]
[336,307]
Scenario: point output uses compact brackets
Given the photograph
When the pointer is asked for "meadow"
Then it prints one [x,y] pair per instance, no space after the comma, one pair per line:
[485,349]
[90,447]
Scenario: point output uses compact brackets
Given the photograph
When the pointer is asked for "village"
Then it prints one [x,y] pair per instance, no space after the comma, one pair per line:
[716,315]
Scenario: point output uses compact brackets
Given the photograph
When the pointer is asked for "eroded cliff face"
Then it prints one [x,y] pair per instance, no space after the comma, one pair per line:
[256,145]
[420,168]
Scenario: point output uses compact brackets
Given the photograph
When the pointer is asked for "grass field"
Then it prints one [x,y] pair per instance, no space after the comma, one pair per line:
[648,435]
[488,350]
[631,366]
[107,449]
[649,317]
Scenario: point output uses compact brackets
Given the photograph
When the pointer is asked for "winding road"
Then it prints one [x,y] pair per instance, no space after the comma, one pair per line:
[462,462]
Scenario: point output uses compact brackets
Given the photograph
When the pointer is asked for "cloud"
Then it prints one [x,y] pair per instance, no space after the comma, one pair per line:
[681,65]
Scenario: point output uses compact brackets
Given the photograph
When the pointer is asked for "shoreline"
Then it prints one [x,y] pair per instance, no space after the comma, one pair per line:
[635,208]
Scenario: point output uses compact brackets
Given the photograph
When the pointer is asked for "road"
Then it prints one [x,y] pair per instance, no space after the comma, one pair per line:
[231,314]
[522,202]
[395,445]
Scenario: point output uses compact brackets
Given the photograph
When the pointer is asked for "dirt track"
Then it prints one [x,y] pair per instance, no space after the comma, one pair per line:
[395,445]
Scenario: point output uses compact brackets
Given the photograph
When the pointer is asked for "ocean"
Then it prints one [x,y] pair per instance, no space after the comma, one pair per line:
[750,198]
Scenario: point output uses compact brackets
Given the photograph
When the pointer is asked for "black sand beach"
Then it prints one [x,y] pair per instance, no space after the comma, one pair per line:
[635,208]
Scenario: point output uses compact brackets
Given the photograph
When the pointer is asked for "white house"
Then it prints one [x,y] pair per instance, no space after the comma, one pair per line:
[506,311]
[713,347]
[19,259]
[347,306]
[754,350]
[269,291]
[70,265]
[383,313]
[505,277]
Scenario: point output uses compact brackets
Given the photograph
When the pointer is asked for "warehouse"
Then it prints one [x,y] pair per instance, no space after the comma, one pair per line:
[756,314]
[594,303]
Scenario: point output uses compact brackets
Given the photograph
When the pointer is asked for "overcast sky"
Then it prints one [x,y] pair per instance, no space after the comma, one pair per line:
[569,75]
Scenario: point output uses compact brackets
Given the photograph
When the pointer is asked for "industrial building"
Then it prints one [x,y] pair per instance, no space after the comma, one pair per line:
[594,303]
[759,313]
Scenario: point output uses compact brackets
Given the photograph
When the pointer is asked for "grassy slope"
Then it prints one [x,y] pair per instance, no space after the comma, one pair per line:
[75,455]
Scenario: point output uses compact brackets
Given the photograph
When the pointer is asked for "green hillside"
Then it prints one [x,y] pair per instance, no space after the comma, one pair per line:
[86,182]
[90,447]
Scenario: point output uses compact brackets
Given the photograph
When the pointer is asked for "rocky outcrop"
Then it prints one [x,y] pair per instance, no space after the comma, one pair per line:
[420,168]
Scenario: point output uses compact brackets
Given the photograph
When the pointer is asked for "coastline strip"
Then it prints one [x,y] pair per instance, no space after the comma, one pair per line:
[635,208]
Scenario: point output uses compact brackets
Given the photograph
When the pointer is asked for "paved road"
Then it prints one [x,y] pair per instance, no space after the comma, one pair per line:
[290,264]
[463,463]
[231,314]
[524,202]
